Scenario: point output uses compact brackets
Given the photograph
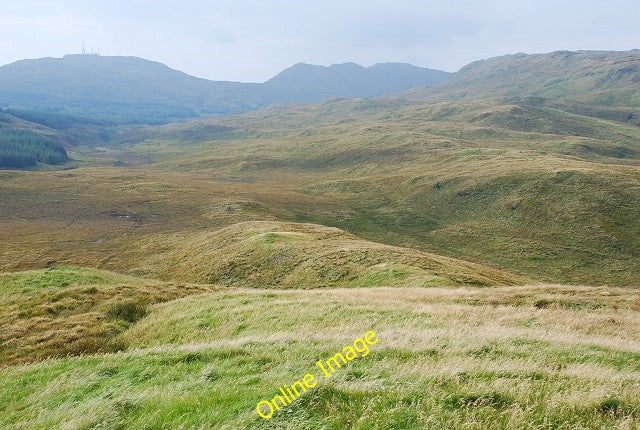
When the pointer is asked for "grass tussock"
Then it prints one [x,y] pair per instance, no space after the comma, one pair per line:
[129,311]
[70,311]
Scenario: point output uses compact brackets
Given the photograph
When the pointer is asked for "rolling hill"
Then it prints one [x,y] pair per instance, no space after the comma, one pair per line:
[475,180]
[87,99]
[63,311]
[540,192]
[269,254]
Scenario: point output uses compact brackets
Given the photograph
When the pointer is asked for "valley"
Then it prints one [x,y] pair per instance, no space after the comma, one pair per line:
[459,179]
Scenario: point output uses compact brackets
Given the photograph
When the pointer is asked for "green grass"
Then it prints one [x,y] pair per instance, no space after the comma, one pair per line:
[57,278]
[206,360]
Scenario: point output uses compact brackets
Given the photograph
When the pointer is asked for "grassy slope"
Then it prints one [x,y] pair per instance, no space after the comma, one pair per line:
[66,310]
[545,356]
[263,254]
[594,77]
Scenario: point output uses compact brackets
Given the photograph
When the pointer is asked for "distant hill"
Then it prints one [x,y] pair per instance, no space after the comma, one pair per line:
[306,82]
[118,90]
[608,78]
[125,90]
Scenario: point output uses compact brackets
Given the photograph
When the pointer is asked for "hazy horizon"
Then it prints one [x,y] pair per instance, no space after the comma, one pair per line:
[253,41]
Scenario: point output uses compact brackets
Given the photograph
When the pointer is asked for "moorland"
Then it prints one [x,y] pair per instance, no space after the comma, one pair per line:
[486,228]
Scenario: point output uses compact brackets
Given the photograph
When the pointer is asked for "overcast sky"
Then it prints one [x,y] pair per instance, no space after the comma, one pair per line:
[252,41]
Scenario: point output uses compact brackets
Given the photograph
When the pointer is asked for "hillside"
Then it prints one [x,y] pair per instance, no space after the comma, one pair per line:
[470,180]
[609,78]
[309,83]
[65,310]
[88,99]
[118,89]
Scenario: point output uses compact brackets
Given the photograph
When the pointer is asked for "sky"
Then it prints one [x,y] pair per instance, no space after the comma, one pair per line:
[251,41]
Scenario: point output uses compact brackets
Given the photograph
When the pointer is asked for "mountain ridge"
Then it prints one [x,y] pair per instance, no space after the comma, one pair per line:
[81,83]
[609,78]
[308,83]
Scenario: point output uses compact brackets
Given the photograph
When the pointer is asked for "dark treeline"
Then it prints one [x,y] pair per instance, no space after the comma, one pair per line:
[49,119]
[23,148]
[103,115]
